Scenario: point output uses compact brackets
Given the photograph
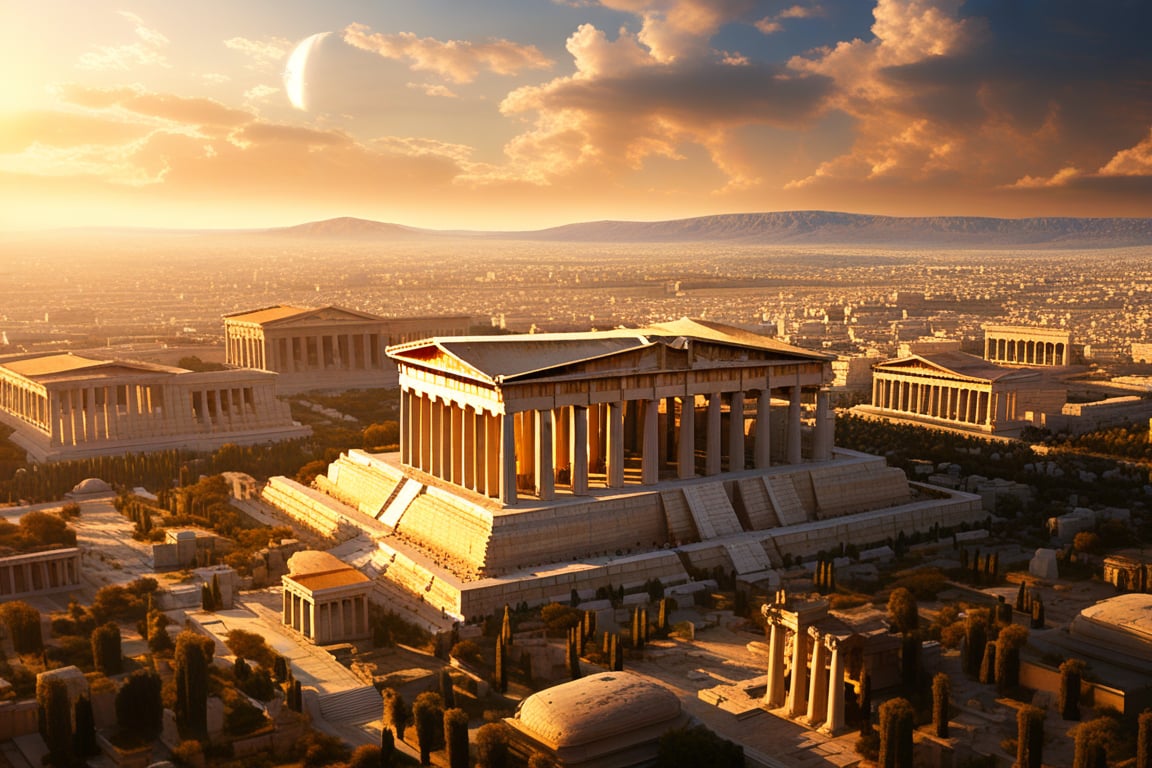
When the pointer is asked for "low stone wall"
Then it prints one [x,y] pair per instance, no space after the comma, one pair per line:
[17,718]
[441,523]
[309,507]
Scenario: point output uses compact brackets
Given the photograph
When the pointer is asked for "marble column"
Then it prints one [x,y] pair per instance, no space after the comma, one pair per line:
[508,458]
[736,432]
[579,450]
[763,455]
[797,691]
[818,691]
[650,449]
[686,451]
[794,433]
[712,456]
[834,717]
[774,694]
[616,445]
[545,476]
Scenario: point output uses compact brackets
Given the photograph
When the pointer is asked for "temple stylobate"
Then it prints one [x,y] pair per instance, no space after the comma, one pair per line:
[538,415]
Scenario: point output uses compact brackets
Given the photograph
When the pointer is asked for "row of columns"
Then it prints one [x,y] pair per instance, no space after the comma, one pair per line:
[501,454]
[1025,351]
[816,692]
[978,404]
[26,574]
[26,401]
[322,352]
[329,620]
[245,347]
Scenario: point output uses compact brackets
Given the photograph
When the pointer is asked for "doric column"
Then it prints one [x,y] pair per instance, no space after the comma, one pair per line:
[480,452]
[508,458]
[797,691]
[455,439]
[468,447]
[712,455]
[774,694]
[736,432]
[686,451]
[405,426]
[987,347]
[616,445]
[763,446]
[650,448]
[493,450]
[825,427]
[579,450]
[834,717]
[818,691]
[427,407]
[595,438]
[794,425]
[545,476]
[562,441]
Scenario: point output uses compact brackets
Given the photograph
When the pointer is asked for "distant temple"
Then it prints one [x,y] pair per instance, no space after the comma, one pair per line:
[66,406]
[325,348]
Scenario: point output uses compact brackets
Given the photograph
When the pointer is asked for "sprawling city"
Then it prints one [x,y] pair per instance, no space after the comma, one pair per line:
[599,384]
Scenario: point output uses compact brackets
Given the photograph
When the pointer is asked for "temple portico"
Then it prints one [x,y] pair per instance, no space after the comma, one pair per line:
[34,573]
[1026,345]
[619,408]
[325,599]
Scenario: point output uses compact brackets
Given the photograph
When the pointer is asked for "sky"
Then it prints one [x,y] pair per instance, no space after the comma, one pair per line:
[520,114]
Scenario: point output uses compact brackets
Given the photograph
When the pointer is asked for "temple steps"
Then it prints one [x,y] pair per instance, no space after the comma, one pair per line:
[679,517]
[355,705]
[782,493]
[355,480]
[310,507]
[748,556]
[758,504]
[439,526]
[711,510]
[402,497]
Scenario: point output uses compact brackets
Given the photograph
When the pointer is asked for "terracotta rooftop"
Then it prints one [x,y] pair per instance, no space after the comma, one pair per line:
[316,582]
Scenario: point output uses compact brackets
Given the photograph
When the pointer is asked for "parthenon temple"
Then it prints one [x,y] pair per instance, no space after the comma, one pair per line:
[532,466]
[1027,345]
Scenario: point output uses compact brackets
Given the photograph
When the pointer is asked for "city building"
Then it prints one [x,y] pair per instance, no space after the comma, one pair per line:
[535,466]
[326,348]
[66,406]
[959,390]
[39,573]
[1027,345]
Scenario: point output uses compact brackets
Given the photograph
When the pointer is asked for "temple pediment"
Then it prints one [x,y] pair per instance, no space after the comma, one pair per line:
[953,365]
[291,317]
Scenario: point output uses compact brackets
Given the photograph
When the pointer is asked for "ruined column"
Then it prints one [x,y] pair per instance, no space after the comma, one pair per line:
[797,691]
[818,691]
[712,455]
[834,717]
[774,694]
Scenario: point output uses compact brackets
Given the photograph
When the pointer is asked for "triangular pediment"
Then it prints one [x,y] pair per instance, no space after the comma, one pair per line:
[952,365]
[323,315]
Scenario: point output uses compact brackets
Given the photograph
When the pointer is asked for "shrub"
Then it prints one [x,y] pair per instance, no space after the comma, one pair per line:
[467,651]
[492,745]
[693,746]
[106,653]
[903,613]
[456,737]
[23,624]
[1071,671]
[1029,737]
[251,646]
[139,709]
[428,714]
[897,720]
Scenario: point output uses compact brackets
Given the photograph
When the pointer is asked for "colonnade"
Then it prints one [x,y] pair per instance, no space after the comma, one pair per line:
[472,445]
[25,400]
[816,690]
[945,399]
[1023,348]
[296,353]
[39,572]
[326,619]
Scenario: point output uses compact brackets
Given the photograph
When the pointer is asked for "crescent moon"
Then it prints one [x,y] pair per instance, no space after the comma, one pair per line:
[296,70]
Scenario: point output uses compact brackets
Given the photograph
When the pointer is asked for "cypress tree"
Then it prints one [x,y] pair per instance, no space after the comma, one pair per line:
[896,726]
[1069,698]
[644,626]
[910,663]
[865,703]
[56,716]
[988,665]
[974,641]
[1029,737]
[662,616]
[506,626]
[428,714]
[1144,740]
[84,739]
[240,669]
[280,668]
[456,738]
[447,693]
[637,638]
[573,656]
[617,653]
[941,692]
[106,652]
[217,596]
[139,706]
[387,747]
[1020,597]
[191,685]
[501,665]
[206,602]
[1037,614]
[395,712]
[1008,645]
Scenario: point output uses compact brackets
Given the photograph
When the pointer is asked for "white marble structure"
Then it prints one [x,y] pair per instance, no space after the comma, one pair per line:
[39,573]
[1027,345]
[325,600]
[506,416]
[66,406]
[953,389]
[326,348]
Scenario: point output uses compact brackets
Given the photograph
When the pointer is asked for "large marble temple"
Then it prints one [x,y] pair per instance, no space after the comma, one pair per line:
[532,466]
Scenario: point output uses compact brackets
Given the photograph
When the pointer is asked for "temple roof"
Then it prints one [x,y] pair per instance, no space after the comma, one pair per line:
[286,313]
[957,364]
[506,358]
[67,365]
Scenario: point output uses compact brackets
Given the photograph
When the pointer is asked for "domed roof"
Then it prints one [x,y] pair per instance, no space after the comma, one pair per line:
[595,708]
[1123,623]
[90,486]
[311,561]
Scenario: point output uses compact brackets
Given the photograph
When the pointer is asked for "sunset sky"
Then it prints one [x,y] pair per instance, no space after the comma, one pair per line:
[518,114]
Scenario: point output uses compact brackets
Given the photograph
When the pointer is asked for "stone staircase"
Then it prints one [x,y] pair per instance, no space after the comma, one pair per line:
[711,510]
[398,502]
[782,492]
[748,557]
[679,517]
[758,504]
[355,705]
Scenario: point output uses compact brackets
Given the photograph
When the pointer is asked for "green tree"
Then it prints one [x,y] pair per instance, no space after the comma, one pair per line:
[456,738]
[1029,737]
[387,746]
[428,714]
[941,693]
[447,691]
[501,672]
[395,712]
[492,745]
[1071,671]
[692,746]
[56,718]
[897,719]
[23,624]
[365,756]
[106,654]
[84,739]
[139,708]
[1092,740]
[1008,645]
[193,655]
[903,613]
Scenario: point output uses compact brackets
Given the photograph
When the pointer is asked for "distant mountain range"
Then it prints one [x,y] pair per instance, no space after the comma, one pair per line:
[784,228]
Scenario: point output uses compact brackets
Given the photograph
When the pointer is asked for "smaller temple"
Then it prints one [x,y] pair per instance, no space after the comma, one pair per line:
[67,406]
[39,573]
[326,348]
[1026,345]
[325,600]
